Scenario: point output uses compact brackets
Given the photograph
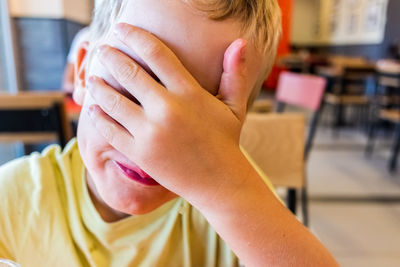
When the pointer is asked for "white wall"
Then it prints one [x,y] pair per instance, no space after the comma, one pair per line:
[37,8]
[304,22]
[333,22]
[76,10]
[7,71]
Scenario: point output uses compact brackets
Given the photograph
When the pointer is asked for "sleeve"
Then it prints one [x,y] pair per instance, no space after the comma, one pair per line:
[10,208]
[4,253]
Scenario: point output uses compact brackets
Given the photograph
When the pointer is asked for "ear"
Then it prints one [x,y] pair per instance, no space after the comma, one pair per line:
[80,73]
[233,90]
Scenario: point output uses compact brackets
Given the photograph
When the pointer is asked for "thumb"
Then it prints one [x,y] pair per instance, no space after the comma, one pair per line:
[233,89]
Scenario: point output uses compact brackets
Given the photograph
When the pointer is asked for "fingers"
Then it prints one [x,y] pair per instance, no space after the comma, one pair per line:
[116,135]
[161,60]
[117,106]
[78,95]
[131,76]
[233,89]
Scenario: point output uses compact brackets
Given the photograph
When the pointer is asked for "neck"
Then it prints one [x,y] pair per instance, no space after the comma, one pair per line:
[107,213]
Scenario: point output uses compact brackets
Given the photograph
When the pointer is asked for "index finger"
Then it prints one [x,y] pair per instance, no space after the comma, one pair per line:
[161,60]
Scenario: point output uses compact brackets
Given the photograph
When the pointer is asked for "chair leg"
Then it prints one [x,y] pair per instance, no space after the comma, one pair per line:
[291,200]
[338,119]
[62,139]
[311,134]
[363,113]
[304,205]
[365,116]
[395,151]
[371,140]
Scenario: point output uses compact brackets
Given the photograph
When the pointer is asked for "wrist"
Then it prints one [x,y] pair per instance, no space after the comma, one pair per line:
[234,184]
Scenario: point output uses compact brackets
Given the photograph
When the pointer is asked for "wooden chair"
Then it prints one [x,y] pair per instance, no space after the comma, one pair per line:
[262,106]
[386,108]
[33,117]
[276,143]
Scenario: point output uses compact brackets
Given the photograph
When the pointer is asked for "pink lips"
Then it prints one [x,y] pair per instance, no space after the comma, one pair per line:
[137,175]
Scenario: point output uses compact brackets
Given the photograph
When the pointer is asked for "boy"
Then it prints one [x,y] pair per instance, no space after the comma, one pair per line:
[159,119]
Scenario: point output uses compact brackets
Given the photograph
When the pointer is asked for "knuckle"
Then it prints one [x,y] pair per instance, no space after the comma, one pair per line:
[126,33]
[156,135]
[164,110]
[112,103]
[108,133]
[169,115]
[153,131]
[153,50]
[127,72]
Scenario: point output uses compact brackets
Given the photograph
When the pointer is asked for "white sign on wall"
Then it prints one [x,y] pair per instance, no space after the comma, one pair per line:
[8,75]
[76,10]
[339,22]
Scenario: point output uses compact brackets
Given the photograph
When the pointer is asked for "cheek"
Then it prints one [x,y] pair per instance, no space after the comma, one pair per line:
[90,142]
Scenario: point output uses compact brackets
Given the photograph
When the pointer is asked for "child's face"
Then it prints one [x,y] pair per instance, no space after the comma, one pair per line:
[200,43]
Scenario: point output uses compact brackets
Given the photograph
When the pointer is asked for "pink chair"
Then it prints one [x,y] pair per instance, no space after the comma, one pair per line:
[301,90]
[305,91]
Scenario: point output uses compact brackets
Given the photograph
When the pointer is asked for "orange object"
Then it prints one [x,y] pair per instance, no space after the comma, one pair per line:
[287,12]
[284,45]
[72,108]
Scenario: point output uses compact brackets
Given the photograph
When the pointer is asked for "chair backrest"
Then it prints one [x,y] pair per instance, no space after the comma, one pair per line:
[276,143]
[346,61]
[385,93]
[355,79]
[301,90]
[33,117]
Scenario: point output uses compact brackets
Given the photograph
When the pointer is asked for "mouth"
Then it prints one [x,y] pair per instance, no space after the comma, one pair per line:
[137,175]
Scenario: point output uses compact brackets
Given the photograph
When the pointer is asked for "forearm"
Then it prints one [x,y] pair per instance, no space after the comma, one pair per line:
[258,228]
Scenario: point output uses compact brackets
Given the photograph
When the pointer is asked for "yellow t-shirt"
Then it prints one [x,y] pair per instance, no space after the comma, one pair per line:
[48,219]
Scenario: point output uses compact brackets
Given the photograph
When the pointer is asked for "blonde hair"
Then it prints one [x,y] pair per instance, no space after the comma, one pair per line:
[260,20]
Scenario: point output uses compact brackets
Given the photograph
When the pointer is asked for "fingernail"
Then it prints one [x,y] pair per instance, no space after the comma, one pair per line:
[91,80]
[91,110]
[90,83]
[101,49]
[85,45]
[120,30]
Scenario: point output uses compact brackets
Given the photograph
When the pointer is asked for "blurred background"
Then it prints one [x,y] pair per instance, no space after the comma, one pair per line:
[331,109]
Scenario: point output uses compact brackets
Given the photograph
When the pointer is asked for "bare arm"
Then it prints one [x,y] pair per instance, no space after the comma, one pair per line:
[258,228]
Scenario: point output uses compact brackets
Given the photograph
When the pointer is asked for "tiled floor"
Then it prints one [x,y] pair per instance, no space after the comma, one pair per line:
[345,212]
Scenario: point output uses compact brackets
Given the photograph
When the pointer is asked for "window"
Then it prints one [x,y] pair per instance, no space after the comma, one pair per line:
[8,77]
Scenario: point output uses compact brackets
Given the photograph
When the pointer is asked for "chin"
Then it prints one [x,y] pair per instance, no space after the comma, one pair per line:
[135,202]
[132,206]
